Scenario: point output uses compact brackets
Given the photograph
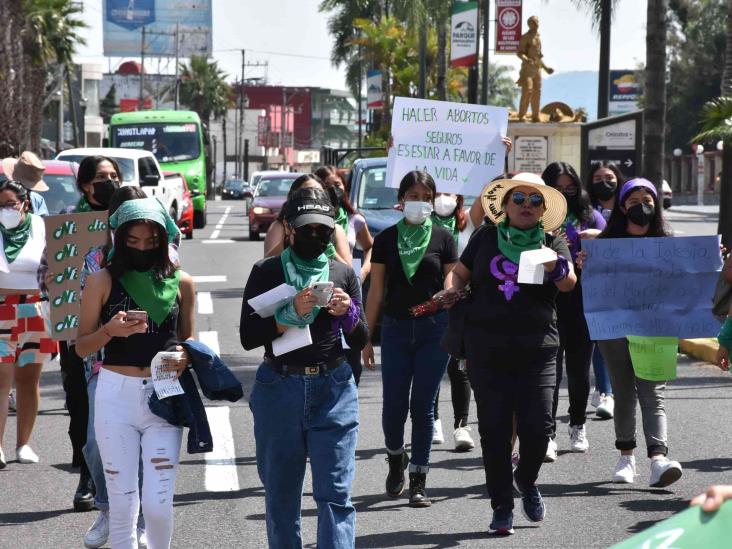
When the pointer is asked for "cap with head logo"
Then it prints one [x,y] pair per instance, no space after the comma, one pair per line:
[310,205]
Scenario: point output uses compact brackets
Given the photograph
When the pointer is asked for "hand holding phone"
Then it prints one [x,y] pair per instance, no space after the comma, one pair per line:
[140,316]
[322,292]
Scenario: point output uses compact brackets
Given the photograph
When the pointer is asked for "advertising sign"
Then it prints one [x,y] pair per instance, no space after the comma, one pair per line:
[530,154]
[374,90]
[508,25]
[625,90]
[464,34]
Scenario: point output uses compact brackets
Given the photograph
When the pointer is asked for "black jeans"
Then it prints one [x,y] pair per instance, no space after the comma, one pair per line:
[459,393]
[508,382]
[77,400]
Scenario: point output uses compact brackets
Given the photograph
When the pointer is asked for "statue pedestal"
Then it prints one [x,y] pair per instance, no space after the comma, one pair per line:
[537,144]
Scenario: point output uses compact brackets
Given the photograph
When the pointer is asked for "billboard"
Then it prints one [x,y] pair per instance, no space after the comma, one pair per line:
[124,21]
[374,90]
[625,90]
[508,25]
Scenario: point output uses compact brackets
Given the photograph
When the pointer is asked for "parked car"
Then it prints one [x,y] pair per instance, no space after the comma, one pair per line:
[668,194]
[185,223]
[269,196]
[62,194]
[370,195]
[235,189]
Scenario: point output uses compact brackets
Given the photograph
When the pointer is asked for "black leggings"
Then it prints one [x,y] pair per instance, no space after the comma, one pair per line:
[354,360]
[459,391]
[77,400]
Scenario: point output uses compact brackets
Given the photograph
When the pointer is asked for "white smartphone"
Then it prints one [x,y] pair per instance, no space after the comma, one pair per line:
[322,291]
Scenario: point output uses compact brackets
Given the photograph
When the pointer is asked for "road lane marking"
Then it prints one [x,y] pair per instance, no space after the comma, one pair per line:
[203,279]
[222,241]
[220,473]
[220,224]
[211,339]
[205,303]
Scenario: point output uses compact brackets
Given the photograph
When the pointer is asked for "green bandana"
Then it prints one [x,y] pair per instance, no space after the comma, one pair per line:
[83,206]
[447,223]
[412,241]
[15,239]
[150,209]
[330,251]
[342,219]
[513,241]
[157,297]
[302,273]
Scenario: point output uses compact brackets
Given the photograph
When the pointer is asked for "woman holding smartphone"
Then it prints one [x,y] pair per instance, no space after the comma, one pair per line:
[139,277]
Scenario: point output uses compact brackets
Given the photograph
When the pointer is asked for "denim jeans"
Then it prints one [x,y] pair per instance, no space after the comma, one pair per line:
[411,358]
[602,379]
[91,451]
[301,416]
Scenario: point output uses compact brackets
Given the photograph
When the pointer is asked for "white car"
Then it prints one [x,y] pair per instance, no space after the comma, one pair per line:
[140,168]
[668,194]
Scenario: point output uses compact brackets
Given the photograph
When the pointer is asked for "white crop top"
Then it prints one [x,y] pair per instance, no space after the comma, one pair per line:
[22,273]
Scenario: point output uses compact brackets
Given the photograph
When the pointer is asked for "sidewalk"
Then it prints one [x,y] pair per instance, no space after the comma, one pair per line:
[701,349]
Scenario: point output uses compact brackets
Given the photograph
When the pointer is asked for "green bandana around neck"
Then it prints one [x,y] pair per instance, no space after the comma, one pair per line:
[302,273]
[412,242]
[448,223]
[513,241]
[15,239]
[154,296]
[342,219]
[83,206]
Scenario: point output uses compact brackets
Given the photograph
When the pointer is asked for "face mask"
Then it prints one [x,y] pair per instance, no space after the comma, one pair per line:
[417,211]
[309,244]
[141,260]
[570,194]
[445,205]
[604,190]
[642,214]
[337,195]
[103,191]
[10,217]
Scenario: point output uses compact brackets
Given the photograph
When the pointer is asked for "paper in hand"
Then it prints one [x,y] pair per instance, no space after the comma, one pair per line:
[165,382]
[293,338]
[531,265]
[266,304]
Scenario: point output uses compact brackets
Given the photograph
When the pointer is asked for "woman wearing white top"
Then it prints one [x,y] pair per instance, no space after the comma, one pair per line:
[25,343]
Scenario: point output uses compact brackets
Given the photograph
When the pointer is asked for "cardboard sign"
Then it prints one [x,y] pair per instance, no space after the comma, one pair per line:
[458,144]
[68,239]
[650,286]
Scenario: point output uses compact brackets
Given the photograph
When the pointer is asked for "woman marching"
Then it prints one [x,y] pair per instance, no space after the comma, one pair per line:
[304,400]
[408,266]
[637,214]
[140,278]
[511,337]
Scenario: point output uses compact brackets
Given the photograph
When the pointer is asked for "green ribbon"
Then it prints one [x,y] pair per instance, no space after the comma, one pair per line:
[153,295]
[301,273]
[342,219]
[412,241]
[14,239]
[449,223]
[513,241]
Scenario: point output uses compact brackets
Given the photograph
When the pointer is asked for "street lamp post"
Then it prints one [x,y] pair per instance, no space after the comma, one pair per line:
[699,174]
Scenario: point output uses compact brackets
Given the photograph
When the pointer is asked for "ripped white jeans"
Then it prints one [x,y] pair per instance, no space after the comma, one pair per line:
[125,426]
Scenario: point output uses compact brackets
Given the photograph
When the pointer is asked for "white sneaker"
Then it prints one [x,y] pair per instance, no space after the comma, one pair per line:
[25,454]
[438,436]
[11,401]
[606,409]
[3,463]
[595,398]
[664,472]
[97,535]
[551,451]
[141,539]
[463,440]
[625,470]
[578,439]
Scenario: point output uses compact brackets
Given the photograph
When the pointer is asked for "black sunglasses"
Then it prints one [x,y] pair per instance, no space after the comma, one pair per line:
[535,199]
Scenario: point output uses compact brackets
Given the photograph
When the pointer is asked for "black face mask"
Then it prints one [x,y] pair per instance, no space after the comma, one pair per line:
[103,191]
[336,196]
[642,214]
[604,190]
[309,244]
[141,260]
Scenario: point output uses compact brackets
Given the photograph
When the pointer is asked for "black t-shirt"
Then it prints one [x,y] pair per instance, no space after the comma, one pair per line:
[501,312]
[255,331]
[426,282]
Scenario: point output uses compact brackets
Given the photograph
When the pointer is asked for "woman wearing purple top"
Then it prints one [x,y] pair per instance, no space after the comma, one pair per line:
[582,221]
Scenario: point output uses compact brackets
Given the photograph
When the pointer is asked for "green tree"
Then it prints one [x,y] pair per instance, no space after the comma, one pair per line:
[502,90]
[204,89]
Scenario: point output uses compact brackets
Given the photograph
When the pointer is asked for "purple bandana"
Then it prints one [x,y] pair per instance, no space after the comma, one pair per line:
[507,272]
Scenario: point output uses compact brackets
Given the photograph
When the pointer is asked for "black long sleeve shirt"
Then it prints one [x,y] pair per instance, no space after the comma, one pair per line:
[255,331]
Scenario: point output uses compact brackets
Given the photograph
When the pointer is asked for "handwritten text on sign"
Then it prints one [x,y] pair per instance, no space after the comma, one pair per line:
[650,286]
[458,144]
[68,240]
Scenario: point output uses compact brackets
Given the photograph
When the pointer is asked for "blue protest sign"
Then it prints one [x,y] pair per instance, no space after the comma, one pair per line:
[650,286]
[131,14]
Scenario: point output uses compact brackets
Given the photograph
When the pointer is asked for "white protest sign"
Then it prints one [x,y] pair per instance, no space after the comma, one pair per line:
[458,144]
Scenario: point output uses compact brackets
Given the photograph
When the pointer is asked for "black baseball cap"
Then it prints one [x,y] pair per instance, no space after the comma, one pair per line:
[308,206]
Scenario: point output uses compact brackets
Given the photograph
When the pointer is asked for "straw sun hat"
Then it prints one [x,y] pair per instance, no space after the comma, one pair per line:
[493,193]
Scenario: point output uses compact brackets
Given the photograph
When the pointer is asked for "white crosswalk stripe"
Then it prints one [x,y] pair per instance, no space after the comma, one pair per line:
[221,474]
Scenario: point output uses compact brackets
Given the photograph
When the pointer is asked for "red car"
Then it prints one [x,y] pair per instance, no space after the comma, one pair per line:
[62,194]
[185,223]
[269,196]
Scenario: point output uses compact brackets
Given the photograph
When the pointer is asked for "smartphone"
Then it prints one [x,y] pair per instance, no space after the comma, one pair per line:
[322,291]
[140,316]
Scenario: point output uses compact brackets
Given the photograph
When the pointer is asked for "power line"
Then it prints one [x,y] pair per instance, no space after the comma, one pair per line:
[285,54]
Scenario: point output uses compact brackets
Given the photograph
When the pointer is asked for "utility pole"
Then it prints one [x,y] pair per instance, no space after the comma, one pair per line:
[177,64]
[283,120]
[360,94]
[141,101]
[473,71]
[60,126]
[423,60]
[486,43]
[223,130]
[240,135]
[603,91]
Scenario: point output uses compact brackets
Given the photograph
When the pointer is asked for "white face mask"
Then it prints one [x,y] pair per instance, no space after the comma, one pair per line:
[10,217]
[417,211]
[445,205]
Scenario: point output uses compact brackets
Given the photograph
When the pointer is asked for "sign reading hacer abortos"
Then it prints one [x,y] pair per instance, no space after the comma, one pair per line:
[68,239]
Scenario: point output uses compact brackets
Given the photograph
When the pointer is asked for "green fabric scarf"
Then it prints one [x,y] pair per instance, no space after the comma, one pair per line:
[302,273]
[412,241]
[513,241]
[448,223]
[157,297]
[15,239]
[342,219]
[83,206]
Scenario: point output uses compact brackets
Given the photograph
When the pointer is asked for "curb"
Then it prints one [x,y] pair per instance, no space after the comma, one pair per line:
[702,349]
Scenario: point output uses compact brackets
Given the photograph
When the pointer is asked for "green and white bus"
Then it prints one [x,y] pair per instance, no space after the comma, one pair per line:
[177,139]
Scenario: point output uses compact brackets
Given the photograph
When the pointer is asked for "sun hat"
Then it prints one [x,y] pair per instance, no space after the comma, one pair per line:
[493,193]
[310,205]
[28,170]
[637,183]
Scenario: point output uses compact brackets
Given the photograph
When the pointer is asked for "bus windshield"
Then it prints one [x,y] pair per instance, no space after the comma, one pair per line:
[169,142]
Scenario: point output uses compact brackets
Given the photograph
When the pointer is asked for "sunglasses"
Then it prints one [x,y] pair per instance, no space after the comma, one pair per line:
[535,199]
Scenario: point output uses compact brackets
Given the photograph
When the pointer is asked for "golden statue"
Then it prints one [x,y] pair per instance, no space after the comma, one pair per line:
[530,76]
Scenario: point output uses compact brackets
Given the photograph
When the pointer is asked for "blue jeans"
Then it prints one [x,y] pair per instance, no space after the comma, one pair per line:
[411,358]
[296,417]
[602,379]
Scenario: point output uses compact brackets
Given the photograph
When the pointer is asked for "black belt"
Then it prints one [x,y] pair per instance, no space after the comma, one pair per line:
[286,369]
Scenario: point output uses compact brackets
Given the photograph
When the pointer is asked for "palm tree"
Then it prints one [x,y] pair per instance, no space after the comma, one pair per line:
[502,90]
[654,117]
[203,88]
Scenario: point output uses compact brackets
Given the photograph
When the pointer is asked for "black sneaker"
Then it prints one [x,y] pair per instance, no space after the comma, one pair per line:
[417,495]
[84,496]
[532,504]
[395,479]
[502,522]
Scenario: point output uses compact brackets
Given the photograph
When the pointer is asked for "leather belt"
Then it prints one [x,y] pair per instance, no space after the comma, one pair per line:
[315,370]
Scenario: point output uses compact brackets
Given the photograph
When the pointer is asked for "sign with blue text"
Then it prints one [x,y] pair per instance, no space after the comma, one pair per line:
[458,144]
[650,286]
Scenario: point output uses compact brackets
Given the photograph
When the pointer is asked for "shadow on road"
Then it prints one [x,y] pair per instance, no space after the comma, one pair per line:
[9,519]
[709,465]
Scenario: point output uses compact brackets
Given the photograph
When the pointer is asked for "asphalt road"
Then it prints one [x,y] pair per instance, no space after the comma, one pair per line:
[219,500]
